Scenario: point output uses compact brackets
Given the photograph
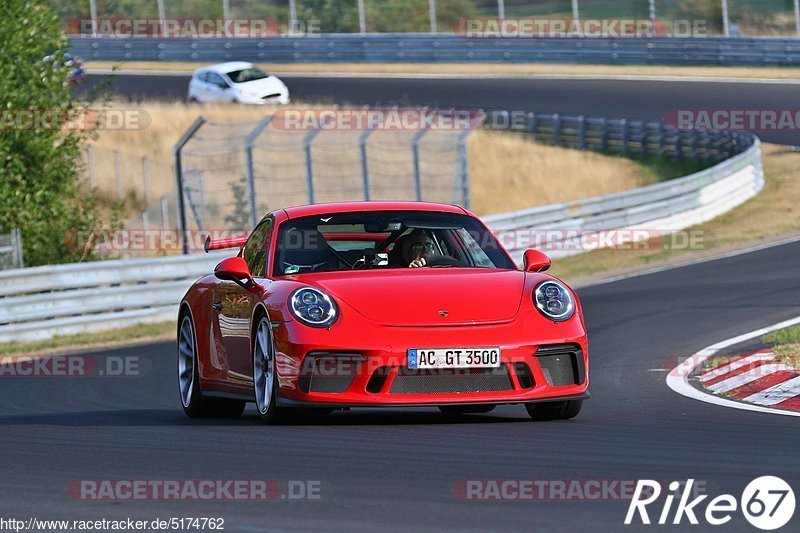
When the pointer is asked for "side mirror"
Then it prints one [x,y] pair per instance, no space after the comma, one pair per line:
[535,261]
[235,269]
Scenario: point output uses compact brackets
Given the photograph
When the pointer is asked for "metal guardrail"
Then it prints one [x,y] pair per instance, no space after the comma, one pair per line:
[447,48]
[11,250]
[661,208]
[627,137]
[42,302]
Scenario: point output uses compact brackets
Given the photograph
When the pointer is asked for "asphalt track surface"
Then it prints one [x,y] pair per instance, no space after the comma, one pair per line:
[650,100]
[395,470]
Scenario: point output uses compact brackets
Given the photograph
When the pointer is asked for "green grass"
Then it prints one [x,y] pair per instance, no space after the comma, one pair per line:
[139,333]
[786,345]
[658,169]
[783,336]
[771,215]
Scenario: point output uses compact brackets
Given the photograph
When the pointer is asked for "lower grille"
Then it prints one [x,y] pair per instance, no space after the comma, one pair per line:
[449,381]
[562,364]
[324,372]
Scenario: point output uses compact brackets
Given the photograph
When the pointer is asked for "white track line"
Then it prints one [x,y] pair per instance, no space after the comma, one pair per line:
[739,363]
[777,393]
[740,380]
[678,378]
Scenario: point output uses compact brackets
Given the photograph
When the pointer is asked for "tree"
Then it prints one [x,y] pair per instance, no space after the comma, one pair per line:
[40,154]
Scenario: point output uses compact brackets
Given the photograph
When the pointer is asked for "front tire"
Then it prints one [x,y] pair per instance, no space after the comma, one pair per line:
[192,400]
[563,410]
[265,376]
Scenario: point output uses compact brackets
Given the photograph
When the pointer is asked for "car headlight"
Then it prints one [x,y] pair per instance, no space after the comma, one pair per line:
[554,300]
[313,307]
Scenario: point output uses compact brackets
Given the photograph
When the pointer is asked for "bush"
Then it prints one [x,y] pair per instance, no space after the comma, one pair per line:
[39,183]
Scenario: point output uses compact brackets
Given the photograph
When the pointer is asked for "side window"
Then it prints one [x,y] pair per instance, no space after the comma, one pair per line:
[257,247]
[473,249]
[216,79]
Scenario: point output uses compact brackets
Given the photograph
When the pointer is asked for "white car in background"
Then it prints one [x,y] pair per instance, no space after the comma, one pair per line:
[237,82]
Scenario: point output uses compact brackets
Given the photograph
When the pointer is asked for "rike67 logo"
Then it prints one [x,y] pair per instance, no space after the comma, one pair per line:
[767,503]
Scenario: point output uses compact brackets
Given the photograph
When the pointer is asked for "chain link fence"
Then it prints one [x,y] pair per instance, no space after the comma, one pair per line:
[233,173]
[739,17]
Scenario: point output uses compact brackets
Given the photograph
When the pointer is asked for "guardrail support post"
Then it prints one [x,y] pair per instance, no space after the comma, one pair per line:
[463,171]
[556,129]
[603,135]
[415,153]
[362,145]
[532,125]
[182,223]
[625,136]
[307,140]
[643,139]
[251,180]
[164,213]
[582,132]
[16,235]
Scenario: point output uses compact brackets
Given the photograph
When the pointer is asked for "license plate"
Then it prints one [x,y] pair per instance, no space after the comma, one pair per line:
[453,358]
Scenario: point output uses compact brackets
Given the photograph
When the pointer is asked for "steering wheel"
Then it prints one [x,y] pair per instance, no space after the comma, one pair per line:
[442,260]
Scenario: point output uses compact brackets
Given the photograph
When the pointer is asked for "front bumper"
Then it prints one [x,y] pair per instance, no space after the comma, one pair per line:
[552,367]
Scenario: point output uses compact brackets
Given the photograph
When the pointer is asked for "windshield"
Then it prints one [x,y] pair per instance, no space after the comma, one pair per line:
[248,74]
[381,240]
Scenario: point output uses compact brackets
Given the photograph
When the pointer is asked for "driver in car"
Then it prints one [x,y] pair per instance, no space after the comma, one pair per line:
[418,248]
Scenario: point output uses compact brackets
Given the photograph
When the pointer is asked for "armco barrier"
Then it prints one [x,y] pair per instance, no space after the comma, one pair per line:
[41,302]
[447,48]
[663,207]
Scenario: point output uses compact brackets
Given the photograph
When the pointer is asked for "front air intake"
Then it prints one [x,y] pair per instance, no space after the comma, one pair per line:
[450,381]
[562,364]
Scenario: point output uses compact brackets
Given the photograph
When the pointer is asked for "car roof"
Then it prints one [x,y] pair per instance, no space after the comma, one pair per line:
[355,207]
[230,66]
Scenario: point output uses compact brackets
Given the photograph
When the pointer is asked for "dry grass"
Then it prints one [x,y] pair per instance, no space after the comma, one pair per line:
[140,334]
[788,354]
[788,73]
[771,215]
[786,345]
[507,171]
[510,172]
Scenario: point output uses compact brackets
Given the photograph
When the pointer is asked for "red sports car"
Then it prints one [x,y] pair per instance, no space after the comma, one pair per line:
[377,304]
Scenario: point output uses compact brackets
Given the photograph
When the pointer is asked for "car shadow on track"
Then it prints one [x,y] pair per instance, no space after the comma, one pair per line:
[175,418]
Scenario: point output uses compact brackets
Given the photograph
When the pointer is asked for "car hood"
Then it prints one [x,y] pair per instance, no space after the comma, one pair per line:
[263,86]
[429,296]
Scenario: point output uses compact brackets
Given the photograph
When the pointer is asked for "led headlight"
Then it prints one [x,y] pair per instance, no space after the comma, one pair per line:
[554,300]
[313,307]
